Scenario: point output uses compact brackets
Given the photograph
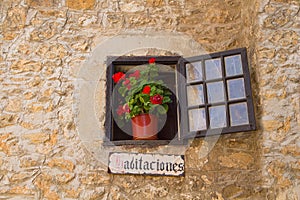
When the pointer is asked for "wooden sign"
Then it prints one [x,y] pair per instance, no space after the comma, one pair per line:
[150,164]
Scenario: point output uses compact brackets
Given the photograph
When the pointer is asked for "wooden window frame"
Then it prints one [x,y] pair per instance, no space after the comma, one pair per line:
[248,96]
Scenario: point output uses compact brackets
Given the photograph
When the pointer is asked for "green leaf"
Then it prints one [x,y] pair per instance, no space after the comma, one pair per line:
[142,99]
[166,99]
[159,91]
[166,107]
[122,90]
[161,110]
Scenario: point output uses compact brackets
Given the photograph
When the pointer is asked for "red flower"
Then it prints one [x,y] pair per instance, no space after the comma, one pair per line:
[156,99]
[128,86]
[126,82]
[136,74]
[151,60]
[120,110]
[146,89]
[123,109]
[118,76]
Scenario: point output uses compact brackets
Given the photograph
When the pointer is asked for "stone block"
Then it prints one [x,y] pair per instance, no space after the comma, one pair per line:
[14,105]
[237,160]
[132,7]
[286,1]
[95,178]
[7,120]
[232,191]
[96,193]
[27,125]
[266,53]
[62,164]
[32,161]
[22,190]
[64,178]
[37,138]
[155,3]
[4,147]
[46,31]
[26,66]
[80,4]
[272,125]
[20,177]
[42,3]
[72,193]
[15,19]
[29,95]
[292,150]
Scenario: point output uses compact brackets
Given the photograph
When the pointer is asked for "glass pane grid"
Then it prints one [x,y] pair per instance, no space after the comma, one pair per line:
[194,72]
[215,92]
[222,94]
[197,119]
[195,95]
[233,65]
[238,114]
[217,117]
[236,89]
[213,69]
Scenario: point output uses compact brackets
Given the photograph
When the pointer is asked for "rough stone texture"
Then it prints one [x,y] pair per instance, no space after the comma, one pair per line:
[44,44]
[278,82]
[80,4]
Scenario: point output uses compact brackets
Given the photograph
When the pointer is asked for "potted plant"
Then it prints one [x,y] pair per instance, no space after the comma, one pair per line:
[143,97]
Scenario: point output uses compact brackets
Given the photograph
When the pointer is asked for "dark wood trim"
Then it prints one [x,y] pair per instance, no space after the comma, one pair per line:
[248,99]
[149,143]
[108,117]
[248,90]
[140,60]
[218,131]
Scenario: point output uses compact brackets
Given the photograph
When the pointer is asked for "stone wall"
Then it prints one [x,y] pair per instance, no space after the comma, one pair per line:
[277,56]
[46,43]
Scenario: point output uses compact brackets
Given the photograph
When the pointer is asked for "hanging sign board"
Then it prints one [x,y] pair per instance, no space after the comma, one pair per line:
[150,164]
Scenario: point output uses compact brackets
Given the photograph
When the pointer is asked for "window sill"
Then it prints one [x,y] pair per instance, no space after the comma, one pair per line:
[147,143]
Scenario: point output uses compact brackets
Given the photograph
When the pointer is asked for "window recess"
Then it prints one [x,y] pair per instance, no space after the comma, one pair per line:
[211,95]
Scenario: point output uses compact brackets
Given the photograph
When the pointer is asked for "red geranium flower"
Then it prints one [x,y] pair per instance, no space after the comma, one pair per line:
[151,60]
[120,110]
[126,82]
[118,76]
[156,99]
[136,74]
[146,89]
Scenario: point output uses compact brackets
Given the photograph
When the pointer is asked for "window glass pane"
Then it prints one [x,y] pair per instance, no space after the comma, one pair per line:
[233,65]
[195,95]
[217,116]
[213,69]
[194,71]
[236,88]
[215,92]
[197,120]
[238,114]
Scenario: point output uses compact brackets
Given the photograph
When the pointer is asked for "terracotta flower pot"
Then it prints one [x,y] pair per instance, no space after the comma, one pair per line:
[144,127]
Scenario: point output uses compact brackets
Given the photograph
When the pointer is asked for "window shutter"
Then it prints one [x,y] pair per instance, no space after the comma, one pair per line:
[215,93]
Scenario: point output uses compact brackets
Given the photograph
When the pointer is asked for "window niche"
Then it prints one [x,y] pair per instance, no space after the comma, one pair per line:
[119,135]
[214,96]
